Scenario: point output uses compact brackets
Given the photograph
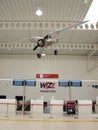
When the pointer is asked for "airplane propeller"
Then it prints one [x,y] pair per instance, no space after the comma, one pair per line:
[40,43]
[35,47]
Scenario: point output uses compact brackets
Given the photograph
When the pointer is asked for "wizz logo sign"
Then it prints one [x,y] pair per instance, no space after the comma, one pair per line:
[47,85]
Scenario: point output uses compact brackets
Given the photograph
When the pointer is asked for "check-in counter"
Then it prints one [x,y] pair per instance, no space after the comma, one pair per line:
[7,107]
[56,106]
[37,106]
[84,107]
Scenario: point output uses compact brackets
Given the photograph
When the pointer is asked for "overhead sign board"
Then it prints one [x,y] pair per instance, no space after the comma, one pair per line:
[47,76]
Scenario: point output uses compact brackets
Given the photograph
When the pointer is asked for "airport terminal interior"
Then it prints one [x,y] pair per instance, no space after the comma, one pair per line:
[48,64]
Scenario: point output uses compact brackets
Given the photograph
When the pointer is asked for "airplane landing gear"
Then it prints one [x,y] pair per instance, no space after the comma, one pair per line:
[39,55]
[55,52]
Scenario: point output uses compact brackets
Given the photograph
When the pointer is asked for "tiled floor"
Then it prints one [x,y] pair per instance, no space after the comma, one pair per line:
[48,122]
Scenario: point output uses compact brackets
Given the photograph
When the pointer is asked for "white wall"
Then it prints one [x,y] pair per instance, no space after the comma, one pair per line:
[70,68]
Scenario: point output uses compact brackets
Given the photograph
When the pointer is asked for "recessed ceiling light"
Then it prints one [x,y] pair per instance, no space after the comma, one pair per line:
[39,12]
[85,1]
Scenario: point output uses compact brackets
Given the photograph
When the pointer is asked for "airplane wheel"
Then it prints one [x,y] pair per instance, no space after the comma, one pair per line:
[55,52]
[39,55]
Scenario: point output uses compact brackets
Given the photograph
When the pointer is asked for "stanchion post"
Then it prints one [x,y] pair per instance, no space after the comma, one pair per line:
[31,111]
[77,112]
[24,91]
[97,111]
[70,91]
[7,110]
[51,114]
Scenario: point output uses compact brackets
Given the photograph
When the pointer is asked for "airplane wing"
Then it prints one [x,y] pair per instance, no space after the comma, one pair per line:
[68,27]
[32,39]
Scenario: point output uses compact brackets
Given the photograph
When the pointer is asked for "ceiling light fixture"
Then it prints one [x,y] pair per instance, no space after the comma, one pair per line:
[39,12]
[85,1]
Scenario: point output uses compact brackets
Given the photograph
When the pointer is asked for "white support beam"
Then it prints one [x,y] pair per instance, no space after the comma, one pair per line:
[4,25]
[48,57]
[93,50]
[75,46]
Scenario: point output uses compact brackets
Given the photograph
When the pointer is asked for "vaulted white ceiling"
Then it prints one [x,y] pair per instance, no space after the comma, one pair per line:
[18,21]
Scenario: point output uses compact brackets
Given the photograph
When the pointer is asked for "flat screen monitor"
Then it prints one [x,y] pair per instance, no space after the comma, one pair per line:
[76,83]
[18,82]
[63,83]
[30,83]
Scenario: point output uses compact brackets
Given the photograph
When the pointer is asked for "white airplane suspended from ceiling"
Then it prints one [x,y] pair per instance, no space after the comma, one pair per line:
[50,39]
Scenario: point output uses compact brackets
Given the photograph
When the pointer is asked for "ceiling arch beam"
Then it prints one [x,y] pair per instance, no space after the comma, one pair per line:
[93,50]
[17,25]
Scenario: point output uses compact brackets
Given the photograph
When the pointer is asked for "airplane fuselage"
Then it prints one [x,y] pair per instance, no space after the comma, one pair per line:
[50,41]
